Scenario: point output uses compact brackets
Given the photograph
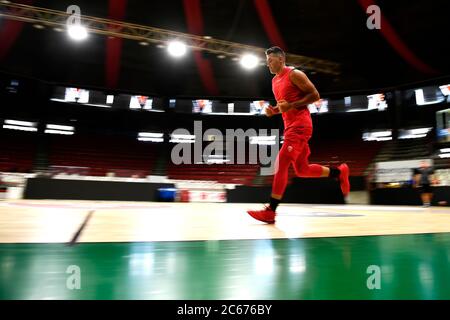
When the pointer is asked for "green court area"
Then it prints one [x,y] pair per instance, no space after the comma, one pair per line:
[372,267]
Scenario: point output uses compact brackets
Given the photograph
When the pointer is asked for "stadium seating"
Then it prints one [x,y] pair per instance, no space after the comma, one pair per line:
[18,150]
[103,155]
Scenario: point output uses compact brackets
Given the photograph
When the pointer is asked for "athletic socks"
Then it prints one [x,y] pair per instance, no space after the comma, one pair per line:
[274,203]
[334,172]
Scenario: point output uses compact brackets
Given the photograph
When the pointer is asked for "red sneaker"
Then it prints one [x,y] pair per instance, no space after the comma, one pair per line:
[267,215]
[343,179]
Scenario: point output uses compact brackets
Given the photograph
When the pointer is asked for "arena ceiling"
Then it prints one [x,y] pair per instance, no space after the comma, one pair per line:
[412,45]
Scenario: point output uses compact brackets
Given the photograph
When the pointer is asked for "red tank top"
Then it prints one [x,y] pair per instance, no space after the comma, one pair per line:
[295,120]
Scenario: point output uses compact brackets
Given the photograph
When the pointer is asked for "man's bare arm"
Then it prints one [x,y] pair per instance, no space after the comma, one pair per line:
[310,92]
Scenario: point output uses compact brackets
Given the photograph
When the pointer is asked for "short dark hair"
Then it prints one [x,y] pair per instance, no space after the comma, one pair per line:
[275,50]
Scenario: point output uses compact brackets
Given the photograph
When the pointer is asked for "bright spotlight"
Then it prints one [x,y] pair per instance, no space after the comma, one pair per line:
[177,49]
[249,61]
[77,32]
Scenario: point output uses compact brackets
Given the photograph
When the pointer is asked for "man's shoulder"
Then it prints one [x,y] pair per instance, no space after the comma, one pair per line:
[294,71]
[296,75]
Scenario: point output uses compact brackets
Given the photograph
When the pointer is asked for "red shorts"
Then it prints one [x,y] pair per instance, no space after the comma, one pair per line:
[295,144]
[295,151]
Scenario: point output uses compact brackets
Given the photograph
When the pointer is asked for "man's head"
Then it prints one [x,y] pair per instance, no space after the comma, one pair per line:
[276,59]
[424,164]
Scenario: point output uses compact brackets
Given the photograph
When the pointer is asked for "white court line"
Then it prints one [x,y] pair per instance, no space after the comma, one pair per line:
[371,208]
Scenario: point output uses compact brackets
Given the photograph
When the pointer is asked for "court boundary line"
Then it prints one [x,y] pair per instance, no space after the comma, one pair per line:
[77,234]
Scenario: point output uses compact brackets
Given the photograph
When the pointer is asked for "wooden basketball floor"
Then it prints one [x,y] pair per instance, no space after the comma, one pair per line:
[185,251]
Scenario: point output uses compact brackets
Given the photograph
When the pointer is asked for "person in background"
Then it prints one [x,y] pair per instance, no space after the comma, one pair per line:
[423,180]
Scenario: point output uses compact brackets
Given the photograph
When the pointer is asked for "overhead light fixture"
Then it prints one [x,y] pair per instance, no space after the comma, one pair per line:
[20,123]
[177,49]
[150,134]
[249,61]
[420,130]
[11,127]
[77,32]
[386,133]
[412,136]
[66,133]
[59,129]
[444,155]
[414,133]
[263,140]
[159,140]
[183,136]
[378,136]
[217,161]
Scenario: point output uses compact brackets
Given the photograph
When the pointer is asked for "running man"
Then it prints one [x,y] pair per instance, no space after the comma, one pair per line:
[293,92]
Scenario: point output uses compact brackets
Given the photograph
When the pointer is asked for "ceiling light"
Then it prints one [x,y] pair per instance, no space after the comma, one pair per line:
[249,61]
[77,32]
[177,49]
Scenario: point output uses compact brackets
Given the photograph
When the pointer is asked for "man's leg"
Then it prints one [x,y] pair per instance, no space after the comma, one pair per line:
[305,170]
[424,199]
[286,156]
[426,195]
[284,159]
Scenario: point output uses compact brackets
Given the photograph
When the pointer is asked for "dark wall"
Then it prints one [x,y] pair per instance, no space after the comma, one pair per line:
[44,188]
[358,183]
[407,196]
[321,191]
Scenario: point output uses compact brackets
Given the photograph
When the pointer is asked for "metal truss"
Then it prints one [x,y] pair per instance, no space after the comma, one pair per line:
[112,28]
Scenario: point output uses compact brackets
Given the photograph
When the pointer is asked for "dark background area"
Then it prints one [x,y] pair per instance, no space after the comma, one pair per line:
[326,29]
